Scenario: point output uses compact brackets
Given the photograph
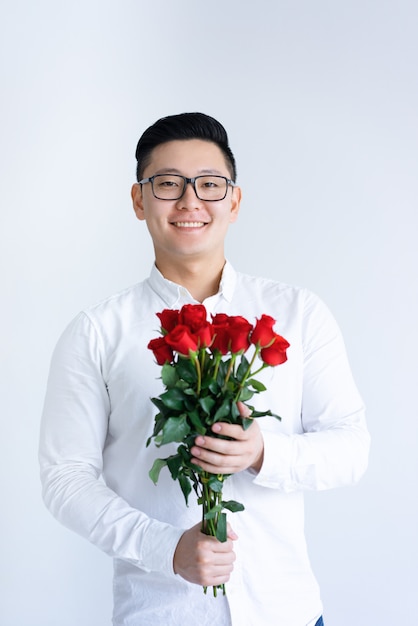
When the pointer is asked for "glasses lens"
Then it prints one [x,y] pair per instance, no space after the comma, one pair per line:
[211,187]
[168,186]
[172,186]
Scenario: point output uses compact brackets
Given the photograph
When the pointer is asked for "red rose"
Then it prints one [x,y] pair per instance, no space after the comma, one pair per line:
[169,319]
[231,333]
[181,340]
[220,333]
[193,316]
[276,353]
[239,331]
[161,350]
[220,319]
[204,335]
[263,333]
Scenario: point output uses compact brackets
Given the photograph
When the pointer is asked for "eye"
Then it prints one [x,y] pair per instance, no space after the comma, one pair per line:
[211,183]
[168,182]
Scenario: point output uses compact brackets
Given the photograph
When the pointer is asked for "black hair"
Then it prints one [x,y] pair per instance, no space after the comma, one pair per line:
[183,126]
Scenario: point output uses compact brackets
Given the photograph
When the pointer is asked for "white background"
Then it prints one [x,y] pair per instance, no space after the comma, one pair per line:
[320,100]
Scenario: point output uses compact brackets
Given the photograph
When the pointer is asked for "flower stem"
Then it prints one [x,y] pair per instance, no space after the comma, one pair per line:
[230,369]
[247,373]
[260,369]
[210,500]
[202,357]
[218,359]
[199,375]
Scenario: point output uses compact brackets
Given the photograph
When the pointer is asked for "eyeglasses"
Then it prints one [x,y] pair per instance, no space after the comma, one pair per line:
[173,186]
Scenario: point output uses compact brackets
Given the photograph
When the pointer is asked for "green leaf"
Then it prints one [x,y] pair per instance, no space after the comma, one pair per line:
[255,384]
[185,487]
[175,429]
[264,413]
[184,453]
[173,399]
[190,403]
[233,506]
[186,370]
[174,464]
[231,386]
[215,484]
[157,440]
[246,422]
[213,512]
[223,411]
[155,470]
[213,387]
[160,405]
[158,424]
[197,422]
[235,414]
[223,368]
[207,403]
[246,394]
[188,443]
[242,368]
[169,375]
[221,533]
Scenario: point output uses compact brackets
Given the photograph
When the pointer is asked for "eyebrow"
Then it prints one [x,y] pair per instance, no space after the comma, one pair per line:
[173,170]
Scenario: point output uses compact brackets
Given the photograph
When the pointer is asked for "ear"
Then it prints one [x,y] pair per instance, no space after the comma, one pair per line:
[136,195]
[235,204]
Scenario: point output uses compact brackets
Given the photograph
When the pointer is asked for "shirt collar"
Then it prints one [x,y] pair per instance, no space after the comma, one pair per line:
[175,295]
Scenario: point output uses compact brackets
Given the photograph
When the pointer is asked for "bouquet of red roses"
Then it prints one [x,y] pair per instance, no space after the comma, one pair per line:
[205,372]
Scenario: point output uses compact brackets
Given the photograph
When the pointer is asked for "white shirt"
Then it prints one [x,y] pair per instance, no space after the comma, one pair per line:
[94,462]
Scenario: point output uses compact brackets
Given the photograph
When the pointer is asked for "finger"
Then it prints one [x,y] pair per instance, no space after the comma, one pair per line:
[224,549]
[220,464]
[206,445]
[234,431]
[231,532]
[243,409]
[201,456]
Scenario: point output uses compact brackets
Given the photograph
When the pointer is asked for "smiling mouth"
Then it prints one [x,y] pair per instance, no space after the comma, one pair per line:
[188,224]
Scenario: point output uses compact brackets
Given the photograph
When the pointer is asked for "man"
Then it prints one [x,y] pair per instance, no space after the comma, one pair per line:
[98,414]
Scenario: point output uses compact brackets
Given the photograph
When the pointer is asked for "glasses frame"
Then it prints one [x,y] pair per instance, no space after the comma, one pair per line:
[186,181]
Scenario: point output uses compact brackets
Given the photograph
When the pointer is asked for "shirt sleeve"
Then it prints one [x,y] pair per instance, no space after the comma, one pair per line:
[332,449]
[73,432]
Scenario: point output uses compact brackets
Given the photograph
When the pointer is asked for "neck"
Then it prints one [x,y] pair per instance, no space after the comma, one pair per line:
[200,279]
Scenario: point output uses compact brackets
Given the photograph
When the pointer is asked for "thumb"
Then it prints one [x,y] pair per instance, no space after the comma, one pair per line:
[231,533]
[243,409]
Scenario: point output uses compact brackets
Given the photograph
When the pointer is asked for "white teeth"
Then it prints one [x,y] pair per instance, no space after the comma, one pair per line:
[188,224]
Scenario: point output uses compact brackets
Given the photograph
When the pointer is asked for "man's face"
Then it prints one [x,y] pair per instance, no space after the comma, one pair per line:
[187,228]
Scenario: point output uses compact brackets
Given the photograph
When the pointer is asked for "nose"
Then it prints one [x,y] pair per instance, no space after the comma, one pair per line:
[189,199]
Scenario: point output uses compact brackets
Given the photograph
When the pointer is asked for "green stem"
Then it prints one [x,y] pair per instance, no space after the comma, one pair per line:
[230,369]
[218,359]
[210,499]
[260,369]
[247,373]
[202,356]
[199,375]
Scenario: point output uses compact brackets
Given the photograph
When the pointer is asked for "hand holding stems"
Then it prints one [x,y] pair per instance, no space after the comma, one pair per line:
[202,559]
[244,449]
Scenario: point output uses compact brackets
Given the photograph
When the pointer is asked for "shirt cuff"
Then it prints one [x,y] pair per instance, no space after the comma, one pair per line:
[275,471]
[158,546]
